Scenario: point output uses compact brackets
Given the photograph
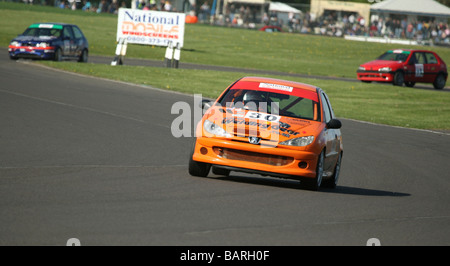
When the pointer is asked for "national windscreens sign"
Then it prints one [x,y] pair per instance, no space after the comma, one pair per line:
[150,27]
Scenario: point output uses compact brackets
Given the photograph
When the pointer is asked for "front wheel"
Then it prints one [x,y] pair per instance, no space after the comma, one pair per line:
[316,182]
[439,82]
[58,55]
[399,78]
[198,168]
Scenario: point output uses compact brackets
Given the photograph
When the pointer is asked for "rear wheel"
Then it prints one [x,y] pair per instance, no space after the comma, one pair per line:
[314,183]
[439,82]
[399,78]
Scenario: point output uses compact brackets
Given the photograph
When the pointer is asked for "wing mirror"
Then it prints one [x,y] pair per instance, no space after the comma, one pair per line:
[334,124]
[206,104]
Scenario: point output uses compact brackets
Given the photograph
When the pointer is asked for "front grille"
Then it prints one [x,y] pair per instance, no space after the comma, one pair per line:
[31,44]
[247,156]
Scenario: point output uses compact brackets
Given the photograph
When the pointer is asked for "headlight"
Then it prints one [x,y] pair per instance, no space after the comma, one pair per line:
[15,43]
[214,129]
[302,141]
[361,68]
[42,45]
[385,69]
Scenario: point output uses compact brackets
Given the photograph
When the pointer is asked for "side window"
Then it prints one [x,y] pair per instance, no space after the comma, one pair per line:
[420,58]
[68,33]
[326,109]
[413,59]
[77,33]
[431,59]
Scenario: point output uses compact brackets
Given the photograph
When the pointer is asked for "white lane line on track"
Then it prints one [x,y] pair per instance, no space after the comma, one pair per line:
[73,106]
[147,87]
[377,220]
[87,166]
[414,129]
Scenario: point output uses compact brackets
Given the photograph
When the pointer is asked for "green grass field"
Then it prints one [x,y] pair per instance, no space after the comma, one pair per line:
[290,53]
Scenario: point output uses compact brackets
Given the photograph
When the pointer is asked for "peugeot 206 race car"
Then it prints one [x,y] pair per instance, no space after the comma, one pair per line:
[270,127]
[405,66]
[54,41]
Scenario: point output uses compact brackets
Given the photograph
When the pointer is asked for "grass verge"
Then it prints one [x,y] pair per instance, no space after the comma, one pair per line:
[377,103]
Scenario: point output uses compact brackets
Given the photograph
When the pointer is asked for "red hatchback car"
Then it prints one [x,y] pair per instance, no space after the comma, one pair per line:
[406,66]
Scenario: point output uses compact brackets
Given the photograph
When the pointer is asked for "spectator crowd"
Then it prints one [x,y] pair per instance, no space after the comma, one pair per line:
[248,16]
[426,29]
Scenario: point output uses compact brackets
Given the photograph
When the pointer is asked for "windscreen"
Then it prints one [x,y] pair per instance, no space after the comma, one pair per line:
[395,55]
[39,32]
[272,103]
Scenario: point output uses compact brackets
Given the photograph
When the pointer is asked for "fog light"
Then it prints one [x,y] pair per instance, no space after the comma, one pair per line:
[203,150]
[302,165]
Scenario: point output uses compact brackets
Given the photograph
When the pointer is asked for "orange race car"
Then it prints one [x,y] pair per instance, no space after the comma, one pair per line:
[270,127]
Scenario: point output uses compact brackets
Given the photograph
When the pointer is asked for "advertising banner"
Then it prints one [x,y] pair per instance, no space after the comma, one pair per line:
[150,27]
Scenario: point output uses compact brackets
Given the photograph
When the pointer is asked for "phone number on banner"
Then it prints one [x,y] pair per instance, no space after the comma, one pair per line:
[148,41]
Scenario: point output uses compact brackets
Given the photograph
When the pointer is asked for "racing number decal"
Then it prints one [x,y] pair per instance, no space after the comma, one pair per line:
[419,70]
[262,116]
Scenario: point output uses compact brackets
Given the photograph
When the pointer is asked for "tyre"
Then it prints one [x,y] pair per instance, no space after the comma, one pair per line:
[83,57]
[399,78]
[333,180]
[58,55]
[198,168]
[439,82]
[316,182]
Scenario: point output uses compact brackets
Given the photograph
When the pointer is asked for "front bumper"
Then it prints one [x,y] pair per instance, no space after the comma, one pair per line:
[31,52]
[246,157]
[375,76]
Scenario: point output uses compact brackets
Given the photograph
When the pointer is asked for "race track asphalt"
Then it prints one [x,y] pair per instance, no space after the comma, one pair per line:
[95,160]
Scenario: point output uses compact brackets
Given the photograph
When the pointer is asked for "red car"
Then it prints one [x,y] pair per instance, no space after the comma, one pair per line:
[406,66]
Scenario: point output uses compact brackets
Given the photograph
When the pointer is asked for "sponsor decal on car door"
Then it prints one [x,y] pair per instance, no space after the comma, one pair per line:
[66,48]
[419,70]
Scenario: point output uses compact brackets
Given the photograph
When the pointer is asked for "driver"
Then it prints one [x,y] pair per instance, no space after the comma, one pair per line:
[253,99]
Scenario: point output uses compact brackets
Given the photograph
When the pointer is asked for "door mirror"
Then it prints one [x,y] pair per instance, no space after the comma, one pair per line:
[206,104]
[334,124]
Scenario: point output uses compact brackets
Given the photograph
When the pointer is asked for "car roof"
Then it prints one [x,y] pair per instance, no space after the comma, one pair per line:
[279,86]
[56,23]
[411,50]
[52,23]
